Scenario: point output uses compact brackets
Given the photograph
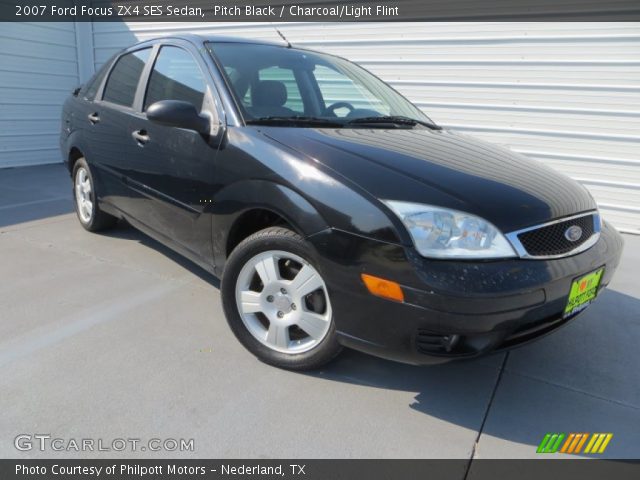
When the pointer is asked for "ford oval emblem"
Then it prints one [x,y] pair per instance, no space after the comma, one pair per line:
[573,233]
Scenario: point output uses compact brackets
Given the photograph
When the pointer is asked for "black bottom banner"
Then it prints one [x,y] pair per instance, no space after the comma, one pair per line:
[583,469]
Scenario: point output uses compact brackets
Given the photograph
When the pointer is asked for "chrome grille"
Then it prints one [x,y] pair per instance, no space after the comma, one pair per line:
[550,240]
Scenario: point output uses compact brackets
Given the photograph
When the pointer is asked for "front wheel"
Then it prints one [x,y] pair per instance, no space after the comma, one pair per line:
[277,303]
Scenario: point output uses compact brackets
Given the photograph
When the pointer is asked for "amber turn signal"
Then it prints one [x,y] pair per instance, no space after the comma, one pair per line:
[383,288]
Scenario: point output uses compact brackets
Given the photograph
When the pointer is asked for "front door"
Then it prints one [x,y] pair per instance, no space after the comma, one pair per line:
[174,166]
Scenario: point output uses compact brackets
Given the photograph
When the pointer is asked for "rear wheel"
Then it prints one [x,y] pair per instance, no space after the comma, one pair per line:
[277,302]
[91,217]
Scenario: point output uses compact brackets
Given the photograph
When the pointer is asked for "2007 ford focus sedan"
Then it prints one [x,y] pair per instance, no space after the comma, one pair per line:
[335,212]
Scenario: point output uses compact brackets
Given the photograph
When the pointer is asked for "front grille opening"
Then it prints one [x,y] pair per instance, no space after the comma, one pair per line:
[551,240]
[533,330]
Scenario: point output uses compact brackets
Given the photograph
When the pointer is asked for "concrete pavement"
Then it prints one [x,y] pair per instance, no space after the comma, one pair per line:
[114,336]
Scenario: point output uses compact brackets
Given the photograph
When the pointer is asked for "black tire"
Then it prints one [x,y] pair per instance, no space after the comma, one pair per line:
[98,219]
[273,238]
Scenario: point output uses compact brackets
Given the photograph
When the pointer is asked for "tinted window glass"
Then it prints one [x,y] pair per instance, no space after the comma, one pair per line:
[284,81]
[337,87]
[123,81]
[92,87]
[175,76]
[240,84]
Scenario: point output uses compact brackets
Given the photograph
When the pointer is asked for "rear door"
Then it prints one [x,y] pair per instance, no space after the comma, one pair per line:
[174,167]
[110,144]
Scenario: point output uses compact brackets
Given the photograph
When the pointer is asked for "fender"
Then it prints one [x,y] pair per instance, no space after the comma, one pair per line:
[76,140]
[231,202]
[73,140]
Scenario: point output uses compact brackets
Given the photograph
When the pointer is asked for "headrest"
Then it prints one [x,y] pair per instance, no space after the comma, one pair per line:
[269,93]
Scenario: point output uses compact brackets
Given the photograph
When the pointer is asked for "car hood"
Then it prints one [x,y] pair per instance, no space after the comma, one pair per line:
[442,168]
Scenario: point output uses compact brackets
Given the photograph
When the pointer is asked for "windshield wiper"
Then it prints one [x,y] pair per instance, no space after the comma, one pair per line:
[396,120]
[297,119]
[327,122]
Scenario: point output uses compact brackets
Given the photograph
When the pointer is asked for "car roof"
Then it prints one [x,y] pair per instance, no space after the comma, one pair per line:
[200,39]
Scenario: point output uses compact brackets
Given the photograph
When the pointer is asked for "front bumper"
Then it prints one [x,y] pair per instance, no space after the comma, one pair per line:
[452,309]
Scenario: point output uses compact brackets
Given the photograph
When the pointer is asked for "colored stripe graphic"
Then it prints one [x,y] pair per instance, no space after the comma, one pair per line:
[574,442]
[550,443]
[543,443]
[594,437]
[565,447]
[584,439]
[606,442]
[598,442]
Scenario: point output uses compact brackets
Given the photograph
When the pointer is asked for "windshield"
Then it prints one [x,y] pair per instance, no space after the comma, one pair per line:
[277,83]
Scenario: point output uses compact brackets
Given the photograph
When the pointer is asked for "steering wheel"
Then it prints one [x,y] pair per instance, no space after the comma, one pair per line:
[330,110]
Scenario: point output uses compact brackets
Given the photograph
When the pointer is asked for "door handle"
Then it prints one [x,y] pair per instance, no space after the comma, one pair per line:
[94,117]
[140,136]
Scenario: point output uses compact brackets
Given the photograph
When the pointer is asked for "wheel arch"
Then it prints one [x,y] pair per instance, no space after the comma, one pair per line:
[246,207]
[74,155]
[74,147]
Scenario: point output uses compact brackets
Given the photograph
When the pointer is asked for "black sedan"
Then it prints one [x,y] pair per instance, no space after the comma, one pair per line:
[335,212]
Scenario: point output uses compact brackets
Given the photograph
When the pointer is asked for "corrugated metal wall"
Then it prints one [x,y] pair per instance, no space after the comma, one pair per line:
[567,94]
[38,70]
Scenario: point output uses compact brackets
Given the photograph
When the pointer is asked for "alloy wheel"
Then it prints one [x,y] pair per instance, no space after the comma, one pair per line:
[83,194]
[283,302]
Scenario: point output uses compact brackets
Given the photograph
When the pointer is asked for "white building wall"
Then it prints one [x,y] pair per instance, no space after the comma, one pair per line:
[567,94]
[38,70]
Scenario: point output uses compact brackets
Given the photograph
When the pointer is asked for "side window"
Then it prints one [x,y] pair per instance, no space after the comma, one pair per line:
[240,84]
[123,80]
[286,76]
[94,83]
[175,76]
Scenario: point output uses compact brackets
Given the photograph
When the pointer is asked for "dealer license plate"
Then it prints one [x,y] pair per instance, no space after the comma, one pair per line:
[583,291]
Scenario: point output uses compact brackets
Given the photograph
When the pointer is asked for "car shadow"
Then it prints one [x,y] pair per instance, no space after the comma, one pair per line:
[600,391]
[124,231]
[463,392]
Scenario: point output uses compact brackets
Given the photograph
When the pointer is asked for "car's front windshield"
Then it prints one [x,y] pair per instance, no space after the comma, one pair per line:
[283,85]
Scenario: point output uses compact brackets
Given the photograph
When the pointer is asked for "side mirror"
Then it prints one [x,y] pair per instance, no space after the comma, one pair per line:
[176,113]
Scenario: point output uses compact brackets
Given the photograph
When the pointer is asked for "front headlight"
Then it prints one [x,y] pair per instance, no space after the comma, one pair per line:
[443,233]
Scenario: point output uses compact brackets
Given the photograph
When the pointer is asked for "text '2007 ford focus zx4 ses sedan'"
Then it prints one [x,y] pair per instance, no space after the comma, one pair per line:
[335,212]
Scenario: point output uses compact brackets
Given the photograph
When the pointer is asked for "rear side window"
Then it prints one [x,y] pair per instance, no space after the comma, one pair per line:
[94,83]
[175,76]
[123,80]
